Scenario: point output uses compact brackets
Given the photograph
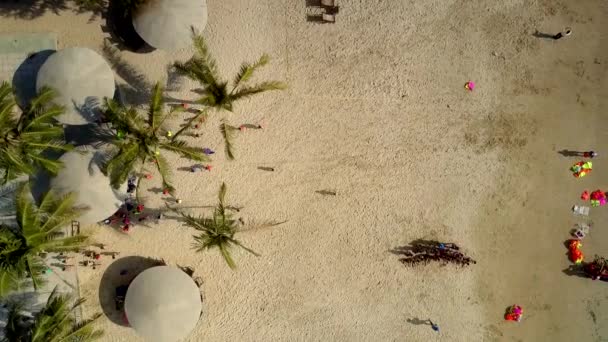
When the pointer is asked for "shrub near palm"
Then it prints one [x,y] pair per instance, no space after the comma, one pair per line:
[56,322]
[217,93]
[140,140]
[24,137]
[38,230]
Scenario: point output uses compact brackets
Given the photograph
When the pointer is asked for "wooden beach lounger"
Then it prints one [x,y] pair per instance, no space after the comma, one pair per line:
[329,6]
[329,18]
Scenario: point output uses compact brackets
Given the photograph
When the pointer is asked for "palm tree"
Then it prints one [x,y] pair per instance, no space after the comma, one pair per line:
[139,140]
[24,138]
[216,231]
[56,322]
[37,230]
[216,93]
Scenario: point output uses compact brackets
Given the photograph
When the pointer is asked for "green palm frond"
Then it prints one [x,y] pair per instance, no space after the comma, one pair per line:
[6,91]
[165,173]
[37,227]
[51,165]
[244,92]
[43,98]
[10,281]
[123,163]
[181,147]
[25,137]
[26,210]
[221,195]
[44,118]
[155,110]
[228,134]
[7,198]
[200,115]
[15,160]
[227,256]
[60,213]
[56,322]
[203,55]
[247,70]
[34,266]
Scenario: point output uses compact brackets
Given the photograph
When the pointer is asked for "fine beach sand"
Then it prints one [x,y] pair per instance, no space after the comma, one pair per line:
[376,111]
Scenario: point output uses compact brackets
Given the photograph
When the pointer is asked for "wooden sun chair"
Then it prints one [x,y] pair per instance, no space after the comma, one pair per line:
[329,18]
[322,19]
[330,6]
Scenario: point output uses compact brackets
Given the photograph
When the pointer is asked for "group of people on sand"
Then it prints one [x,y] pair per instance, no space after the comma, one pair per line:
[130,207]
[597,198]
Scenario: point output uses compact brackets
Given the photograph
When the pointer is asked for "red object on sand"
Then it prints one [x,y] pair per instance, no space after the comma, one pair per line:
[165,191]
[597,194]
[148,176]
[196,126]
[185,105]
[585,195]
[242,128]
[208,167]
[97,256]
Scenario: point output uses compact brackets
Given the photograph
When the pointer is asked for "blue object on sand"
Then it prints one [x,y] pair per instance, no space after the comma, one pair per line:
[208,151]
[435,327]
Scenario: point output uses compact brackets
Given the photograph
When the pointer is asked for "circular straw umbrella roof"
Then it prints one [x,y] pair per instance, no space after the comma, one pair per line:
[81,79]
[163,304]
[167,24]
[81,175]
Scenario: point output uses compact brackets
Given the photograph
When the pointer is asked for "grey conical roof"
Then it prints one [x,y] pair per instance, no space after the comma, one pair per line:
[82,176]
[166,24]
[163,304]
[81,79]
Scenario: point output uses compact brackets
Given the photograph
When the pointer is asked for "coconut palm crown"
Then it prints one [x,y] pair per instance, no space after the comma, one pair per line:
[38,229]
[218,93]
[142,138]
[56,322]
[216,231]
[24,138]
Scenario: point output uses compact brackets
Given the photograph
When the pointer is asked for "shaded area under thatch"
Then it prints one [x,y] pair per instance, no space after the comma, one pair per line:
[119,274]
[81,79]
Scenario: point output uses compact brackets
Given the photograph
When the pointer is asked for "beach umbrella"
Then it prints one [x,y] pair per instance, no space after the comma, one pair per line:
[81,79]
[163,304]
[167,24]
[81,175]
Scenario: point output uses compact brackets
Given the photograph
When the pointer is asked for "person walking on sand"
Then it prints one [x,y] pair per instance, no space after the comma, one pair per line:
[560,35]
[434,326]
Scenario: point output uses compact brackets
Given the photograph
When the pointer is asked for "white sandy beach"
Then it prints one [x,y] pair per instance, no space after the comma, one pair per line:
[376,111]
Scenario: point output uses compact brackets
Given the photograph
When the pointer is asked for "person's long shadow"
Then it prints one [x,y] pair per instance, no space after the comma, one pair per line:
[418,321]
[121,272]
[575,270]
[538,34]
[568,153]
